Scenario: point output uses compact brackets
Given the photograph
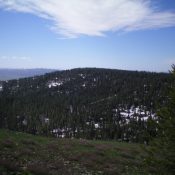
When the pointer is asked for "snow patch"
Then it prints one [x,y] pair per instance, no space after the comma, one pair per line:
[46,120]
[137,113]
[82,76]
[96,125]
[54,84]
[84,85]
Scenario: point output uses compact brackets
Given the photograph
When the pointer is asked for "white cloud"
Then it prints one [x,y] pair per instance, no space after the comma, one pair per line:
[72,18]
[18,58]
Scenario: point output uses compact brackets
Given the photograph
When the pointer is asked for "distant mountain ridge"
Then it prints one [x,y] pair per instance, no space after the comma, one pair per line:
[9,74]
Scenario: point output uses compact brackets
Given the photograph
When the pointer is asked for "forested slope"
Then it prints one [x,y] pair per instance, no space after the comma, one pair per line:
[85,103]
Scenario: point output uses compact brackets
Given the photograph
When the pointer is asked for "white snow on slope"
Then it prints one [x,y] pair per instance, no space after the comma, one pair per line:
[1,88]
[54,84]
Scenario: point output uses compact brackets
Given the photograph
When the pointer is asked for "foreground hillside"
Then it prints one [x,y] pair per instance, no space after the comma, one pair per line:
[85,103]
[25,154]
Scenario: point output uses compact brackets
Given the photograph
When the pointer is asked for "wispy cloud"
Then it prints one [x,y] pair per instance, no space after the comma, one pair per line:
[10,58]
[72,18]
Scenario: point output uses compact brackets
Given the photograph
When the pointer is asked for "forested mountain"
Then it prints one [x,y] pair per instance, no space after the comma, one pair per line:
[9,74]
[86,103]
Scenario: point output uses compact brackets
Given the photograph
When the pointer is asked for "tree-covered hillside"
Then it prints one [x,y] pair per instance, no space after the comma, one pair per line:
[85,103]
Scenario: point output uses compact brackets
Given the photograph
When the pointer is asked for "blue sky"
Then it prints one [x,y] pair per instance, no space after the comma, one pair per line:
[71,33]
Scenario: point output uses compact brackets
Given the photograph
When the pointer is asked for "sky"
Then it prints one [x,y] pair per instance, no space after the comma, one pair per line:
[117,34]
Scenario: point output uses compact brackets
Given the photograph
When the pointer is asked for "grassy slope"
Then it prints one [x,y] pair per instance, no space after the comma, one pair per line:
[33,155]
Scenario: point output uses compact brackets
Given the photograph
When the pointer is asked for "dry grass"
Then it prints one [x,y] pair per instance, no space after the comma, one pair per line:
[39,155]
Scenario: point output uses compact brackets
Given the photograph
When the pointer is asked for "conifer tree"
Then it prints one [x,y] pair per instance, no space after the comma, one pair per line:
[162,150]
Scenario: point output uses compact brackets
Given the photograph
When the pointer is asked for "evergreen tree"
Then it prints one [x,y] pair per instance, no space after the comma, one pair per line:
[162,150]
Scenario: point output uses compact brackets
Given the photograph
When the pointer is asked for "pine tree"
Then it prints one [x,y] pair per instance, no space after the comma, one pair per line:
[162,150]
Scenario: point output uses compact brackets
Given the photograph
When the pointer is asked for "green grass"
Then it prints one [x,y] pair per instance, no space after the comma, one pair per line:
[25,154]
